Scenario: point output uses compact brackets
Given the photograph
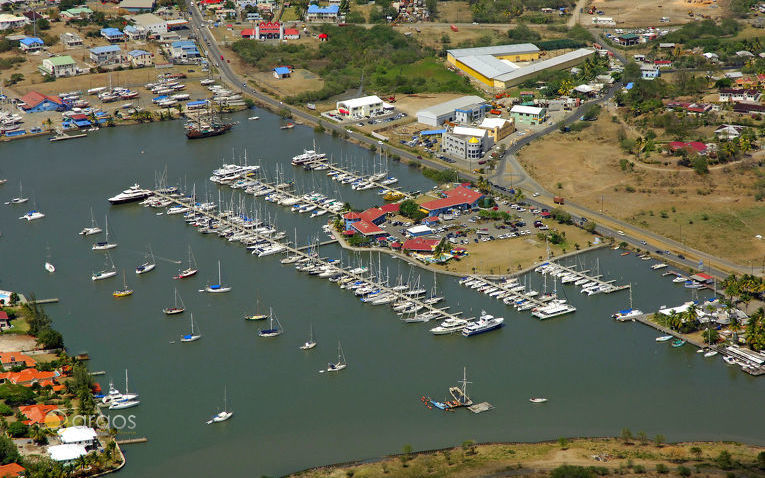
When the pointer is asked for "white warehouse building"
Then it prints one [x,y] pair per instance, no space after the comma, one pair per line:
[439,114]
[360,107]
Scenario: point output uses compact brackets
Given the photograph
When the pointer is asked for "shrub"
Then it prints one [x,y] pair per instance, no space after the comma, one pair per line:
[724,460]
[18,429]
[571,471]
[5,410]
[683,471]
[662,469]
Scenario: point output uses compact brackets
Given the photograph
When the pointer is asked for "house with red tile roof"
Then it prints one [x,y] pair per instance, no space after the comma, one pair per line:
[694,146]
[9,360]
[12,470]
[5,322]
[421,244]
[461,197]
[34,102]
[28,377]
[37,414]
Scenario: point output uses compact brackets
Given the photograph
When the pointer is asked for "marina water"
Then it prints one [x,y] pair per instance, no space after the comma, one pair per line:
[599,375]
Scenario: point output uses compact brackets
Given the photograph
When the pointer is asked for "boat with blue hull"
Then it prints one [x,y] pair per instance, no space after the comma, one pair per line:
[485,323]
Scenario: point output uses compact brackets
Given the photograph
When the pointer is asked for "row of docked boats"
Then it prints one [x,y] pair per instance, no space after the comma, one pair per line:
[311,160]
[512,293]
[590,285]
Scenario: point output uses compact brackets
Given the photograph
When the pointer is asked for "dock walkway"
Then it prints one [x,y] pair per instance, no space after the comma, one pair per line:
[573,275]
[249,234]
[340,170]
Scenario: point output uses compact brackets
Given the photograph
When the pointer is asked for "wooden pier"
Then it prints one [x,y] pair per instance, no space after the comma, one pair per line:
[308,246]
[603,286]
[132,441]
[250,236]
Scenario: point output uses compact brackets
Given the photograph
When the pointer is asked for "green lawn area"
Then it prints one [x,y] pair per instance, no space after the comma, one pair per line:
[427,71]
[289,15]
[20,325]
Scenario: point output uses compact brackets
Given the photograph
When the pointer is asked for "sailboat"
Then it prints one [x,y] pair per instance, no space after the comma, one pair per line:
[93,229]
[104,245]
[272,331]
[340,364]
[310,343]
[460,393]
[20,199]
[125,291]
[48,265]
[175,308]
[627,314]
[189,271]
[124,400]
[225,414]
[108,271]
[191,337]
[217,288]
[257,315]
[148,264]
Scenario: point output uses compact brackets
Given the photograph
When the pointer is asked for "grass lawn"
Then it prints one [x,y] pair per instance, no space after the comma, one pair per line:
[289,15]
[430,70]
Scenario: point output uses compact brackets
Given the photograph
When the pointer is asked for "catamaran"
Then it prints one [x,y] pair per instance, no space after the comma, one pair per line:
[93,229]
[310,343]
[148,264]
[108,271]
[32,215]
[190,270]
[217,288]
[223,415]
[340,364]
[191,337]
[104,245]
[627,314]
[177,307]
[125,291]
[272,331]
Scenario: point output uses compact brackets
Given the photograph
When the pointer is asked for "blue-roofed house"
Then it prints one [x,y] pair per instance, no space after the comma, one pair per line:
[184,51]
[318,14]
[106,55]
[134,33]
[140,58]
[282,72]
[112,34]
[31,44]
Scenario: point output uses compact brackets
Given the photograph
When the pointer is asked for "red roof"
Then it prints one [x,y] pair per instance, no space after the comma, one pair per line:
[366,228]
[391,207]
[694,145]
[270,27]
[372,214]
[396,245]
[704,276]
[351,215]
[323,35]
[34,98]
[3,315]
[38,413]
[11,470]
[12,357]
[421,244]
[248,32]
[662,62]
[28,376]
[291,31]
[458,196]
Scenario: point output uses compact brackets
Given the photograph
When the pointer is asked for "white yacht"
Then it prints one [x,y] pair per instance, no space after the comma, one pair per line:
[308,156]
[449,326]
[131,194]
[553,310]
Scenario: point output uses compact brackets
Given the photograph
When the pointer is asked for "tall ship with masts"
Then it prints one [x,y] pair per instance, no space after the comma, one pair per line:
[203,124]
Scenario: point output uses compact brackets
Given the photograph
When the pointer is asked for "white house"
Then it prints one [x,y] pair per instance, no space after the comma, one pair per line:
[66,453]
[359,107]
[79,435]
[59,66]
[729,131]
[140,58]
[153,24]
[106,55]
[9,22]
[735,95]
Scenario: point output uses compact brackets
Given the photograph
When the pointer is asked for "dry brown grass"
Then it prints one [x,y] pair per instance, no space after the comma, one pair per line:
[715,213]
[629,13]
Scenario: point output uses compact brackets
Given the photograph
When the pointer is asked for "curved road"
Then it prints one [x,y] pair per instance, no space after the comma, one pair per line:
[711,263]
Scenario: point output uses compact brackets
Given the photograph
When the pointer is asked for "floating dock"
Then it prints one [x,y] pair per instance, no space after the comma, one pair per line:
[481,407]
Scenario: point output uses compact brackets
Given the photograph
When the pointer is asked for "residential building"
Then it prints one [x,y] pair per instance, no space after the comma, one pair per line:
[729,131]
[471,113]
[10,22]
[461,197]
[361,107]
[76,13]
[734,95]
[446,112]
[291,34]
[59,66]
[528,114]
[282,72]
[113,35]
[78,435]
[317,14]
[29,377]
[66,454]
[29,44]
[497,128]
[695,109]
[749,108]
[9,360]
[466,143]
[137,6]
[12,470]
[135,33]
[692,146]
[649,72]
[5,322]
[184,51]
[106,55]
[140,58]
[70,40]
[151,23]
[41,415]
[34,102]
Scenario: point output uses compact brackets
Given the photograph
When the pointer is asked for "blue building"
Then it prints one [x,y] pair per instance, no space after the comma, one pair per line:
[281,72]
[472,113]
[106,55]
[112,34]
[184,50]
[31,44]
[316,13]
[34,102]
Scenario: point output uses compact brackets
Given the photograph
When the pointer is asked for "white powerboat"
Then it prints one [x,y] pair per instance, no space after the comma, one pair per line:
[132,194]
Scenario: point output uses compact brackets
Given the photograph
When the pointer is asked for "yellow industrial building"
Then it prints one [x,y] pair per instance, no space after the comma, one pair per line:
[495,66]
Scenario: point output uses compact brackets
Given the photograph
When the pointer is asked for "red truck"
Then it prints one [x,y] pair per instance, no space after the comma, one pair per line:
[559,200]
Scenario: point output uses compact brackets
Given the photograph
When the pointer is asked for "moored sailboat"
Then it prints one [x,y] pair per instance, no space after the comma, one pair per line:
[105,244]
[177,307]
[190,270]
[148,264]
[219,287]
[224,415]
[191,336]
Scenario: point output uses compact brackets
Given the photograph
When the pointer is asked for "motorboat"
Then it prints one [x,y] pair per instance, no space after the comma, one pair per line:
[710,353]
[449,326]
[678,343]
[485,323]
[132,194]
[665,338]
[50,267]
[537,400]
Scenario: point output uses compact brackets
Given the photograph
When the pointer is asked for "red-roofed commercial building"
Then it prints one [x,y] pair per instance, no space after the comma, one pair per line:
[37,414]
[12,470]
[10,360]
[249,33]
[373,215]
[291,34]
[460,197]
[694,146]
[421,244]
[390,208]
[703,278]
[35,102]
[368,229]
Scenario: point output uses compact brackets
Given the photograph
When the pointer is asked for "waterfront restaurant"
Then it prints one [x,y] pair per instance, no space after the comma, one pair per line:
[421,244]
[461,197]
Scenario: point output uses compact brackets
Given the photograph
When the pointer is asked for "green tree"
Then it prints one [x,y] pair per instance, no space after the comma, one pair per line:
[724,460]
[50,339]
[696,452]
[8,451]
[410,209]
[572,471]
[626,435]
[17,430]
[659,440]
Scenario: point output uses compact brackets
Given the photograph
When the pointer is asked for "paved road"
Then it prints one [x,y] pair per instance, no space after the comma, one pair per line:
[528,183]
